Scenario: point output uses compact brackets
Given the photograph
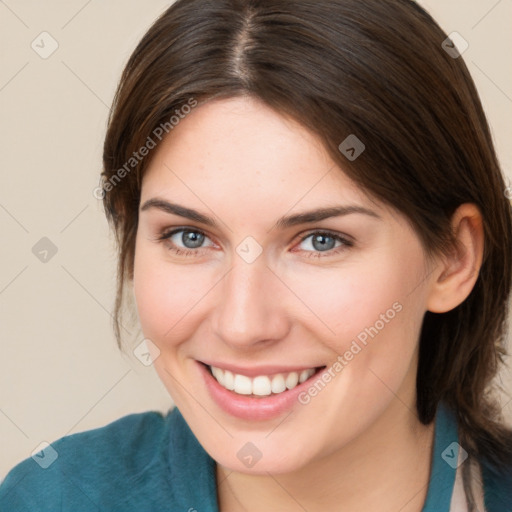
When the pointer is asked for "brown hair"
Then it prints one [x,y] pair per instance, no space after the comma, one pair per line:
[373,68]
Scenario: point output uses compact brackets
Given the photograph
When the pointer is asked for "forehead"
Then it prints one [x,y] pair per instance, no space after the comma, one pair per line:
[241,146]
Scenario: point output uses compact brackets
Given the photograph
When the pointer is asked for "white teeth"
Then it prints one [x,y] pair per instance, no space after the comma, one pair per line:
[292,380]
[278,385]
[218,374]
[242,385]
[261,385]
[304,375]
[229,380]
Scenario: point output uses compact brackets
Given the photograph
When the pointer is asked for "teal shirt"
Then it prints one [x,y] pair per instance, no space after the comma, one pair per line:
[150,462]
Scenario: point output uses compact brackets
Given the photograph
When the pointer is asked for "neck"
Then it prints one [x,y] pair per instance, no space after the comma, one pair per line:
[386,468]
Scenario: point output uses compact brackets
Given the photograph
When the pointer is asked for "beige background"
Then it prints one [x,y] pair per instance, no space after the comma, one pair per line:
[60,370]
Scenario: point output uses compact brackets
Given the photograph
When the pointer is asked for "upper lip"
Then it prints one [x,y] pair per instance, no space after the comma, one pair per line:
[255,371]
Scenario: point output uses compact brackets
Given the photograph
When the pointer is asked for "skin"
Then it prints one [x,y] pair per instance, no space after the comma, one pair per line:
[358,444]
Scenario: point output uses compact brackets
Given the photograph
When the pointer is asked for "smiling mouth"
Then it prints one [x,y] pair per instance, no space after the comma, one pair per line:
[261,385]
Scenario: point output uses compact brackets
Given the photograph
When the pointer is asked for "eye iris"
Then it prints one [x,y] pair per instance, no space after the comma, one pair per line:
[196,239]
[321,240]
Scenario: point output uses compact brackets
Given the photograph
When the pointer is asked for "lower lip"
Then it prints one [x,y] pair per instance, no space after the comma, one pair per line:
[250,408]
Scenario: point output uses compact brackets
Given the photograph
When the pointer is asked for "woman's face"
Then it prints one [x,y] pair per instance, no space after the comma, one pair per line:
[262,292]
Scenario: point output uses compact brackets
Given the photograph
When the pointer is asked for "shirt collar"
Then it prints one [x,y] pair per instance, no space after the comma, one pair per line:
[445,460]
[200,477]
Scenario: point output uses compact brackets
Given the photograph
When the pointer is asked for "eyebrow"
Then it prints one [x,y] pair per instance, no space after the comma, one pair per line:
[284,222]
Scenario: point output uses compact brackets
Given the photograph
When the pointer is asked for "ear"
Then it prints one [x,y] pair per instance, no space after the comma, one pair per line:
[457,272]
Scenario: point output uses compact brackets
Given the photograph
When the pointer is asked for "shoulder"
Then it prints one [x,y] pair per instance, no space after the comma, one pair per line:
[87,465]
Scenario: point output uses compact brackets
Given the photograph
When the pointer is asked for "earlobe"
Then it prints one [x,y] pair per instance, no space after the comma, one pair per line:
[458,271]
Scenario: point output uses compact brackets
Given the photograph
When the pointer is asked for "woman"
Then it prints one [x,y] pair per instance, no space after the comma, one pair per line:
[312,222]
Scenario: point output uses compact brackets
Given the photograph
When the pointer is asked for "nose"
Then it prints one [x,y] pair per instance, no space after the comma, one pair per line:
[250,308]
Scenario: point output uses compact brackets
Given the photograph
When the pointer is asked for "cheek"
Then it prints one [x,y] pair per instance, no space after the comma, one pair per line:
[166,294]
[363,301]
[344,302]
[369,312]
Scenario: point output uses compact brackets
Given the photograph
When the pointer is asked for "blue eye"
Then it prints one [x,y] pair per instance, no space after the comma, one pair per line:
[189,242]
[325,242]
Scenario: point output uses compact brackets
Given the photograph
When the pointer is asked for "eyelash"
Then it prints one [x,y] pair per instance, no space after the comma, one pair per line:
[346,243]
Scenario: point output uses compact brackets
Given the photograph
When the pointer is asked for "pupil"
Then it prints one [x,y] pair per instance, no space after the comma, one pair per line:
[195,239]
[320,239]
